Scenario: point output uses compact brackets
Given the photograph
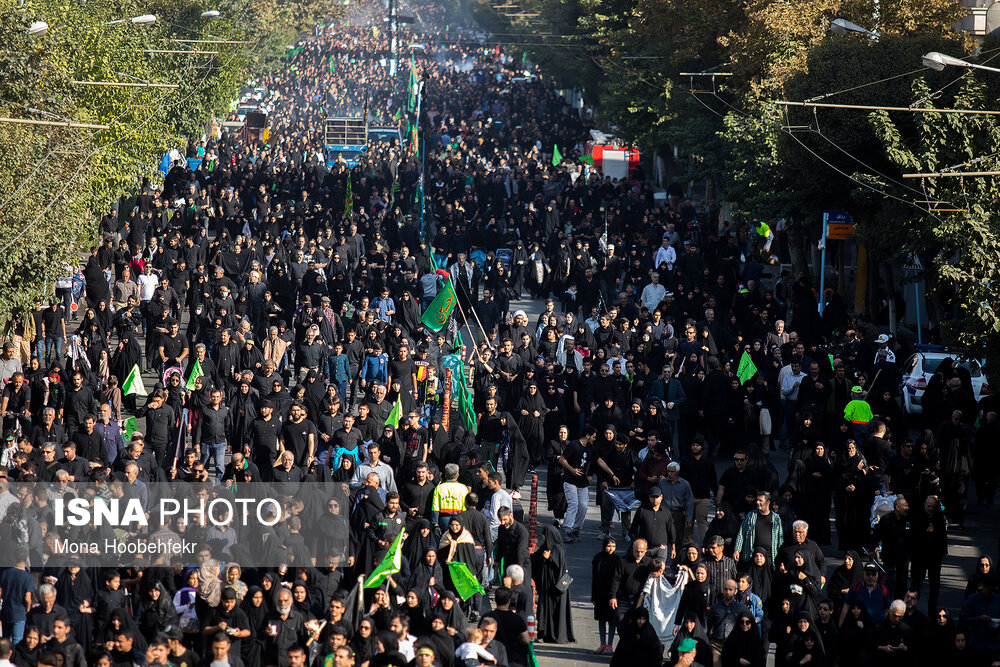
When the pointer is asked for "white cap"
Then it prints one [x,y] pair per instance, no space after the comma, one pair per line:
[882,339]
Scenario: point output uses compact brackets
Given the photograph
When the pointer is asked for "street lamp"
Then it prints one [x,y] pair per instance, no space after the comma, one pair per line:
[938,61]
[38,28]
[845,27]
[145,19]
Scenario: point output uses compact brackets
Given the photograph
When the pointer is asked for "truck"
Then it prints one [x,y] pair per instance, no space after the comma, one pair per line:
[345,138]
[386,133]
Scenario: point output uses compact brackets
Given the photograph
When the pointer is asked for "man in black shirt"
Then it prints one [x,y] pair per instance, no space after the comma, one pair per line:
[78,404]
[54,321]
[735,481]
[655,524]
[264,436]
[512,631]
[346,437]
[160,418]
[48,430]
[173,346]
[403,370]
[228,618]
[416,496]
[699,472]
[415,443]
[212,433]
[298,435]
[576,460]
[618,465]
[631,572]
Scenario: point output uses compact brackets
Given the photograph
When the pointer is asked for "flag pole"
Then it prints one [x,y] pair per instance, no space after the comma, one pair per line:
[475,348]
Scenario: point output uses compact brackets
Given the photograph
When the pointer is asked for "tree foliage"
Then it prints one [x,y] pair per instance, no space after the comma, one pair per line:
[54,180]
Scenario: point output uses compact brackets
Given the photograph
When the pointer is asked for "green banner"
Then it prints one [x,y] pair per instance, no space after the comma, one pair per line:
[465,583]
[436,315]
[746,369]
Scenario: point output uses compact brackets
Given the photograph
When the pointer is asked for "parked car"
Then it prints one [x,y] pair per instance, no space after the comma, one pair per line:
[920,367]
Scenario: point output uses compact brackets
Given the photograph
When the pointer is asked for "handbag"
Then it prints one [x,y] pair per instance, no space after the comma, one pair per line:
[564,581]
[765,421]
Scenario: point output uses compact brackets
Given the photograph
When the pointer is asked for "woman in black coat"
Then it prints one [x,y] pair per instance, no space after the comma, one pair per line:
[531,413]
[602,570]
[638,643]
[820,480]
[548,565]
[512,453]
[742,646]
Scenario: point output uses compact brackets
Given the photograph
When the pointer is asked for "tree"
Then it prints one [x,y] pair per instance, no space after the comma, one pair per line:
[53,179]
[961,240]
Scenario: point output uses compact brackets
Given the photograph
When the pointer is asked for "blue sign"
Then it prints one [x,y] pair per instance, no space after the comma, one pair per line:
[839,218]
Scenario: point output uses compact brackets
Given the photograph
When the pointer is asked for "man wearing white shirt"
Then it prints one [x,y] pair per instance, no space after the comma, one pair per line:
[148,282]
[400,626]
[653,293]
[499,498]
[790,396]
[665,254]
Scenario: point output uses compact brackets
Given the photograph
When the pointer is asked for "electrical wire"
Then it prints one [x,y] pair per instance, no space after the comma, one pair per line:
[97,149]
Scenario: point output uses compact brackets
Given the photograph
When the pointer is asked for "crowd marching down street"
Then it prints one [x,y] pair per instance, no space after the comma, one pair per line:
[332,344]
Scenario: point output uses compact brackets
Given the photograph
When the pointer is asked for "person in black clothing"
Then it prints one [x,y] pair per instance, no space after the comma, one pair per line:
[894,530]
[77,467]
[48,430]
[89,443]
[264,440]
[212,433]
[655,525]
[699,471]
[160,419]
[513,542]
[617,466]
[629,576]
[79,403]
[512,631]
[929,546]
[228,618]
[299,436]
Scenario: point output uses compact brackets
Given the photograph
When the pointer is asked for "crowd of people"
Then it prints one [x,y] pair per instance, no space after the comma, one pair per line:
[276,293]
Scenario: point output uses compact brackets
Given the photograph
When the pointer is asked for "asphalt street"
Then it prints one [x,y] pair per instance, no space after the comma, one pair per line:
[964,548]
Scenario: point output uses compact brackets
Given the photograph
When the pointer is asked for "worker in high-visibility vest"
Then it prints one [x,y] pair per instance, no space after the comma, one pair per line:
[448,498]
[763,230]
[859,414]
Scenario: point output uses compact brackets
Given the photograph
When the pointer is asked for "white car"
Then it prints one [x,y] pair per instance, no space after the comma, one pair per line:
[920,367]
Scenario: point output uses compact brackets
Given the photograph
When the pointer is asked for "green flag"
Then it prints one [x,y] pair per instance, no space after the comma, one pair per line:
[436,315]
[130,428]
[395,414]
[411,97]
[196,373]
[556,156]
[390,565]
[133,383]
[532,658]
[586,159]
[746,370]
[349,197]
[466,584]
[832,367]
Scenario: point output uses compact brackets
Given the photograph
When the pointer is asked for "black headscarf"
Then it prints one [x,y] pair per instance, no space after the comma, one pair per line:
[254,613]
[761,576]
